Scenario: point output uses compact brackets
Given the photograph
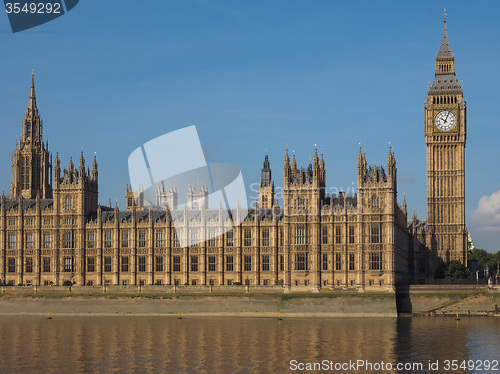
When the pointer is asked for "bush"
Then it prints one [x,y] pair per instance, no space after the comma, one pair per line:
[67,283]
[457,270]
[237,284]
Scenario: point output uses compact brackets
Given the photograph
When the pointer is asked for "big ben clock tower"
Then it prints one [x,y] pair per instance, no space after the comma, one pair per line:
[445,136]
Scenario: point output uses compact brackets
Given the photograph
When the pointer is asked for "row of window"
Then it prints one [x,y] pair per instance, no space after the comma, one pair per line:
[301,263]
[29,222]
[375,237]
[29,262]
[11,241]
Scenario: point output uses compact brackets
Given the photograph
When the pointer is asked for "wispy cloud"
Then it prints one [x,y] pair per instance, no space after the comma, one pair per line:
[405,178]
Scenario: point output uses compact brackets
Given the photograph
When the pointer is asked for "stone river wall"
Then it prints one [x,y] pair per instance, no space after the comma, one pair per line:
[238,301]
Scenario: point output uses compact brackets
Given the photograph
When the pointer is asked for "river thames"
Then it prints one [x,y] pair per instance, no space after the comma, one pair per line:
[34,344]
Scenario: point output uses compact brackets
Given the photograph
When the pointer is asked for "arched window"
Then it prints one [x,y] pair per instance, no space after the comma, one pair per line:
[375,201]
[264,201]
[300,203]
[69,203]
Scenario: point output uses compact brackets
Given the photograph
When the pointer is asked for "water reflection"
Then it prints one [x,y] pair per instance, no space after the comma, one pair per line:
[239,345]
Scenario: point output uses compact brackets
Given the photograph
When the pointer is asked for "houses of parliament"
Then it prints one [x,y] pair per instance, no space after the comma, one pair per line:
[53,231]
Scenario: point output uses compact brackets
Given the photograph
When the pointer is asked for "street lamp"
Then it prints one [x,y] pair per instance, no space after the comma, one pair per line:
[175,284]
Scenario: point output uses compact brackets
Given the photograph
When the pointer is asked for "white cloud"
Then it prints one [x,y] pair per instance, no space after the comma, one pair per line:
[487,215]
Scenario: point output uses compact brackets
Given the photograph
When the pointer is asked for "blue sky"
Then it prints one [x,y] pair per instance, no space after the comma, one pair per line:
[256,75]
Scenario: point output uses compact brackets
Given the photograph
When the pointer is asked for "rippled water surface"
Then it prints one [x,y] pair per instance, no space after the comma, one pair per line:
[240,345]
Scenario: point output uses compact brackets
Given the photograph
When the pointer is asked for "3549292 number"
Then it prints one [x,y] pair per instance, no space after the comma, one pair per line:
[473,365]
[38,8]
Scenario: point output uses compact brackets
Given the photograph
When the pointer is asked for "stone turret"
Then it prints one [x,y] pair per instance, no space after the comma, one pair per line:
[266,187]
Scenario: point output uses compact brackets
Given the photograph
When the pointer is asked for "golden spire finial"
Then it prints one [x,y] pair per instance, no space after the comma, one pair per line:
[445,15]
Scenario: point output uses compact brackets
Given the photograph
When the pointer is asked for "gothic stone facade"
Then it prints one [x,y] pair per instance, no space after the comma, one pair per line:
[53,231]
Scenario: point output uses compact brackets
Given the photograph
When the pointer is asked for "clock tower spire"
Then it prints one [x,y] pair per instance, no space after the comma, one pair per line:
[445,137]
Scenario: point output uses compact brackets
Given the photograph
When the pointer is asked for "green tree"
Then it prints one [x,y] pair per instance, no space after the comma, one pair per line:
[457,270]
[485,260]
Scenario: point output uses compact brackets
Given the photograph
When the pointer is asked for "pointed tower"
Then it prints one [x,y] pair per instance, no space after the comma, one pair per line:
[445,136]
[164,197]
[135,199]
[266,188]
[391,169]
[304,188]
[362,169]
[322,171]
[197,199]
[31,167]
[75,192]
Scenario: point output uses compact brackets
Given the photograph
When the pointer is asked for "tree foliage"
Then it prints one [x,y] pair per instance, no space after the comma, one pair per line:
[485,260]
[457,270]
[452,270]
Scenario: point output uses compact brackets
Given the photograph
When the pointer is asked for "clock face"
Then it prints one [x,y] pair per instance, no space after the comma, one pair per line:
[445,120]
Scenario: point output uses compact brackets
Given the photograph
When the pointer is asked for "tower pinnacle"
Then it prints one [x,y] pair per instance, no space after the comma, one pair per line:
[32,100]
[445,80]
[265,180]
[445,49]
